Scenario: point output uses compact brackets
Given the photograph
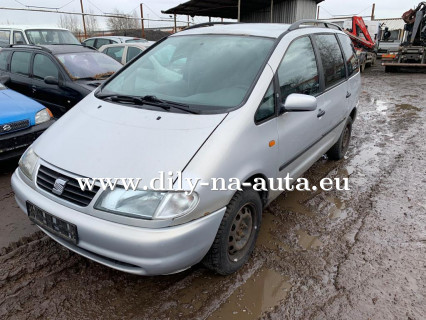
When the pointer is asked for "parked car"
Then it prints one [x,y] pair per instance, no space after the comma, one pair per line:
[237,101]
[35,35]
[57,76]
[123,52]
[97,42]
[22,120]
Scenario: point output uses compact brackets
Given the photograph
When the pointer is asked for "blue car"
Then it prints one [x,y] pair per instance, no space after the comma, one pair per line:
[22,120]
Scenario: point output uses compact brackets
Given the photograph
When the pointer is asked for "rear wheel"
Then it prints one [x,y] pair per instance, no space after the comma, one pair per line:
[237,233]
[339,149]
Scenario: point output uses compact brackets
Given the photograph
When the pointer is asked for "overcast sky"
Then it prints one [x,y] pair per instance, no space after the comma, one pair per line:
[152,9]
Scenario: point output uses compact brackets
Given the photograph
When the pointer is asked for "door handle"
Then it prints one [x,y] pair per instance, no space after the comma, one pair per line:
[320,113]
[348,94]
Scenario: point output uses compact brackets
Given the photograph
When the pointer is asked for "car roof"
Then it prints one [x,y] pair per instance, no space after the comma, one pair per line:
[142,45]
[29,27]
[270,30]
[54,49]
[115,38]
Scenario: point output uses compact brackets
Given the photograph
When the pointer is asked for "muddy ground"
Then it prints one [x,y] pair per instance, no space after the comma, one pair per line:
[358,254]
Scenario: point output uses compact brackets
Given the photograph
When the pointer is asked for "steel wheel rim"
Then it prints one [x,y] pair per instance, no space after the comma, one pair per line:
[242,230]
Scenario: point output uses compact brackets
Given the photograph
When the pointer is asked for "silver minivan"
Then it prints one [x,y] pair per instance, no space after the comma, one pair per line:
[224,101]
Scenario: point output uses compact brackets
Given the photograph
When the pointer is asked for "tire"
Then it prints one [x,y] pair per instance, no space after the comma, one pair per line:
[339,149]
[237,234]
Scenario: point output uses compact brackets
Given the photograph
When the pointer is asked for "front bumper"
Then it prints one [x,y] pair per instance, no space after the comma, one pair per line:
[131,249]
[14,144]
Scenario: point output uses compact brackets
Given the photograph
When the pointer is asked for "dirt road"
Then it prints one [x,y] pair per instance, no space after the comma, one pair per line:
[358,254]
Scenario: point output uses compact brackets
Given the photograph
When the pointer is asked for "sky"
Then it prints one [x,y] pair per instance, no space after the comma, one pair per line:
[152,9]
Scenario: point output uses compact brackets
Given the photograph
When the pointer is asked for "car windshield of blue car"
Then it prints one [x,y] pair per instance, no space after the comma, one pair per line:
[88,65]
[210,72]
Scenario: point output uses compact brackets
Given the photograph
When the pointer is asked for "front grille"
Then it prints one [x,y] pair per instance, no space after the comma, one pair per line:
[72,192]
[14,126]
[17,142]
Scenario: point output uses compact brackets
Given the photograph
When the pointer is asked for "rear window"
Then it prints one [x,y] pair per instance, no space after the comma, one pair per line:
[332,60]
[20,62]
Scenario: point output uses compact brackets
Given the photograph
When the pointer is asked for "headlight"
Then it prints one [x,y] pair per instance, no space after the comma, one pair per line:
[43,116]
[147,204]
[28,162]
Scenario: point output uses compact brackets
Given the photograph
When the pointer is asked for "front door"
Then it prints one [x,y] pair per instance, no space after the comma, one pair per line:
[298,131]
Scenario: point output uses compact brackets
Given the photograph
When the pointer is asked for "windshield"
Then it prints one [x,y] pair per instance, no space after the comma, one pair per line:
[88,65]
[49,36]
[209,71]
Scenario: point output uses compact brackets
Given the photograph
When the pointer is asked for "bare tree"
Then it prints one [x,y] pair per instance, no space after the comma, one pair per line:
[124,22]
[91,24]
[69,22]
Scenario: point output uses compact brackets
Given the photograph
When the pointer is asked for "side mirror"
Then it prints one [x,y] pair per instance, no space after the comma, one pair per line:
[51,80]
[4,80]
[299,102]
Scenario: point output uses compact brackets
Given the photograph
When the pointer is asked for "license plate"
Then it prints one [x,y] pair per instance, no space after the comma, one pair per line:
[55,225]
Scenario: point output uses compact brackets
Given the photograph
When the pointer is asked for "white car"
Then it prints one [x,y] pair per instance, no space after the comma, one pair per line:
[124,52]
[15,34]
[97,42]
[234,102]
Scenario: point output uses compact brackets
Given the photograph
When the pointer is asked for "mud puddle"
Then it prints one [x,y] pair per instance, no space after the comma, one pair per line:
[261,292]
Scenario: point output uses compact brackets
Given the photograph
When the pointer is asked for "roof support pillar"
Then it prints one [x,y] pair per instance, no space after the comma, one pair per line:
[239,10]
[272,11]
[175,27]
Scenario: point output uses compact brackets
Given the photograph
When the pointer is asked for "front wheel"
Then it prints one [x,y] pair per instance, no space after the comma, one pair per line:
[339,149]
[237,233]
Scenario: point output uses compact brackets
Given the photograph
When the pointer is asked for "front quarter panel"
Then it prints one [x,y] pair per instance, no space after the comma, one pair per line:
[238,148]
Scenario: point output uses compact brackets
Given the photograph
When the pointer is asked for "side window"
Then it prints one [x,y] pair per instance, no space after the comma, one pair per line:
[4,37]
[101,42]
[132,52]
[90,42]
[18,37]
[350,54]
[331,57]
[115,52]
[4,55]
[298,72]
[44,67]
[267,107]
[20,62]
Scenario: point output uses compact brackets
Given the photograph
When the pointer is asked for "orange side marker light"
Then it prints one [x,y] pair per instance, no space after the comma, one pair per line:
[271,143]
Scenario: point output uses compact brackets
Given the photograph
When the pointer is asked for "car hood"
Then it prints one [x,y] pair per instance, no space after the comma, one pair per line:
[89,85]
[15,106]
[98,139]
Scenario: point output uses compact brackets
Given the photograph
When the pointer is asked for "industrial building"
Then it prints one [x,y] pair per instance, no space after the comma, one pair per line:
[278,11]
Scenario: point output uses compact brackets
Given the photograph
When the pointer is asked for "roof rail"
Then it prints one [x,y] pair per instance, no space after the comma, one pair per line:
[29,46]
[208,24]
[298,24]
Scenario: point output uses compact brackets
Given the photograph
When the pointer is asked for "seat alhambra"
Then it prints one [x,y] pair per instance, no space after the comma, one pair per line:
[219,101]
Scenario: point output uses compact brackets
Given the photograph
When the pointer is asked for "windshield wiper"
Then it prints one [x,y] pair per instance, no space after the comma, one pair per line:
[130,99]
[160,102]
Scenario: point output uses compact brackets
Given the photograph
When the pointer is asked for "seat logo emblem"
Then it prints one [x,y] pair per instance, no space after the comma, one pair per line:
[6,127]
[59,186]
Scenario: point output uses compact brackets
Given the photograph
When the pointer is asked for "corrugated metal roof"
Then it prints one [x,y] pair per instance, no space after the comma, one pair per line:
[392,23]
[221,8]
